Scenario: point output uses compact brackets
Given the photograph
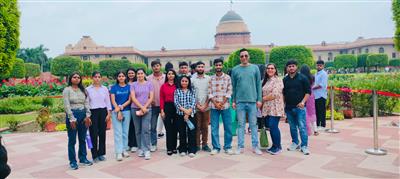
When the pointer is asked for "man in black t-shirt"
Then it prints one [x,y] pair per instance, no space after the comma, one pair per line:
[296,91]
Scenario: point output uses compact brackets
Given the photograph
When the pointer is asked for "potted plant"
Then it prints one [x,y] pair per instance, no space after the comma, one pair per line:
[50,126]
[345,98]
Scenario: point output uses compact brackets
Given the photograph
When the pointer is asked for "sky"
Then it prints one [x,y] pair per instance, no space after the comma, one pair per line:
[177,24]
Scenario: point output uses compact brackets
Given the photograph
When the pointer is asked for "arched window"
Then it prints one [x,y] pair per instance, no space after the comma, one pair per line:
[366,50]
[381,50]
[330,56]
[124,58]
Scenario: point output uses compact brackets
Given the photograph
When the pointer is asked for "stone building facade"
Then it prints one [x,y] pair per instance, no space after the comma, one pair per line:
[232,33]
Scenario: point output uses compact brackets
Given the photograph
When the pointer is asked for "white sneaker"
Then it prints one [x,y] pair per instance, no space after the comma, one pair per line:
[125,154]
[183,154]
[147,155]
[214,152]
[119,157]
[191,155]
[229,152]
[134,149]
[153,148]
[140,153]
[239,151]
[257,151]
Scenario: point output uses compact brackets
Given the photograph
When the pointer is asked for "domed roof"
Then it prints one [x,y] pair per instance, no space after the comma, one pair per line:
[231,16]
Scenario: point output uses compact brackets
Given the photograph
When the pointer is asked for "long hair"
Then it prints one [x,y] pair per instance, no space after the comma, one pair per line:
[117,74]
[80,85]
[175,78]
[189,87]
[266,77]
[305,70]
[141,69]
[130,79]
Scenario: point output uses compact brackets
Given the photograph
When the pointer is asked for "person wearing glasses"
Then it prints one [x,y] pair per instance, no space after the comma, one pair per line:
[77,120]
[246,97]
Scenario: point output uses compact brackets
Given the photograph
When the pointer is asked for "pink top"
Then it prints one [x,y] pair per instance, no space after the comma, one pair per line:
[275,107]
[157,83]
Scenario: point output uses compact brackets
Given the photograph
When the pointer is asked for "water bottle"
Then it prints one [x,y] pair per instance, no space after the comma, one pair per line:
[89,140]
[190,124]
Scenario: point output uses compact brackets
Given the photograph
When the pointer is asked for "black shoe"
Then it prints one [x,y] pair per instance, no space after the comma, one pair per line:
[160,135]
[86,163]
[169,152]
[174,151]
[206,148]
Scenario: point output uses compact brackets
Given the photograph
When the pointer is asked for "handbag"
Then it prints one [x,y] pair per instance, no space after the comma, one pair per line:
[263,138]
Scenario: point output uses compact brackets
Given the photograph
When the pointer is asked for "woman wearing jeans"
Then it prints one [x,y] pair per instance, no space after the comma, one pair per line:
[77,119]
[273,106]
[121,115]
[131,136]
[142,94]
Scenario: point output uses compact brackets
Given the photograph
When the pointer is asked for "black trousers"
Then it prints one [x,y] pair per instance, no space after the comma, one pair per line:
[187,137]
[131,134]
[98,131]
[171,126]
[320,110]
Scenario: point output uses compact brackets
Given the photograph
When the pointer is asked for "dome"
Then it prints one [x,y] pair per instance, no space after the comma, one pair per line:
[230,16]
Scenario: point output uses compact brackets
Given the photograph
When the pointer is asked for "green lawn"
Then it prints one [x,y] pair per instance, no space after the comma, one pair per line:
[19,117]
[397,108]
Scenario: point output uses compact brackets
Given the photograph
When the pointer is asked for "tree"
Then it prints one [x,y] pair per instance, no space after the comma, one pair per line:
[9,34]
[32,70]
[18,70]
[345,61]
[110,67]
[65,65]
[377,60]
[35,55]
[280,55]
[362,61]
[394,62]
[329,64]
[396,19]
[87,68]
[257,56]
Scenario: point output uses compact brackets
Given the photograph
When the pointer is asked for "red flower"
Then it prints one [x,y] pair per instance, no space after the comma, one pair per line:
[4,81]
[51,86]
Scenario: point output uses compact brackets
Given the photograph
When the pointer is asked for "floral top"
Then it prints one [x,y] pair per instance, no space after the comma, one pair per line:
[275,107]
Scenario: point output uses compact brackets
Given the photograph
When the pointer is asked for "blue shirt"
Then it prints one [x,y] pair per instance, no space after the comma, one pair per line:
[321,79]
[122,95]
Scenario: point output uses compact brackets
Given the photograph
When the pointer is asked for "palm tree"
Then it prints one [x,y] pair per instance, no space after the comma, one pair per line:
[34,55]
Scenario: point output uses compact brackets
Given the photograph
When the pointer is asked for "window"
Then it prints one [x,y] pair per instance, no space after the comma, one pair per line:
[393,55]
[366,50]
[381,50]
[352,52]
[211,63]
[359,50]
[124,58]
[319,57]
[109,56]
[85,57]
[96,56]
[330,56]
[84,48]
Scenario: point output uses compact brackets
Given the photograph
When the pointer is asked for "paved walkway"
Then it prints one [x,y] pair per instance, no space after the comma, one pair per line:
[44,155]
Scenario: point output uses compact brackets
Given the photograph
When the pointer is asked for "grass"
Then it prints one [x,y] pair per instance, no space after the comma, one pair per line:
[397,108]
[19,117]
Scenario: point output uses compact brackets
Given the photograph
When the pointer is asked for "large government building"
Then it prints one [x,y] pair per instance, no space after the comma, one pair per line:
[231,34]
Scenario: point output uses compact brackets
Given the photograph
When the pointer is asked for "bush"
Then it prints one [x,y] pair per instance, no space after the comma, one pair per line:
[61,127]
[329,64]
[345,61]
[65,65]
[59,117]
[377,60]
[58,106]
[18,70]
[362,60]
[40,89]
[87,68]
[394,62]
[43,117]
[336,115]
[47,102]
[257,56]
[110,67]
[13,124]
[19,105]
[32,70]
[280,55]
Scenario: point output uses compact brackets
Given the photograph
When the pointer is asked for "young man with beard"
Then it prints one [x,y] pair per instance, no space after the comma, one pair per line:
[219,93]
[200,83]
[320,94]
[157,79]
[296,91]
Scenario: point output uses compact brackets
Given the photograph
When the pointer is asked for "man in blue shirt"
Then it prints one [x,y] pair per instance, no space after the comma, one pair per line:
[320,92]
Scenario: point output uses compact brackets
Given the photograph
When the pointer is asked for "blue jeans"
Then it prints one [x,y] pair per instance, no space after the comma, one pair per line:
[251,110]
[227,121]
[297,121]
[121,130]
[81,130]
[142,129]
[273,123]
[155,111]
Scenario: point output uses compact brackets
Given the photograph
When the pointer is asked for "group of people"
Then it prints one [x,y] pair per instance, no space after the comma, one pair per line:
[187,103]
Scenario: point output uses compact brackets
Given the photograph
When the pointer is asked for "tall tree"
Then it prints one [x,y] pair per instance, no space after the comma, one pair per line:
[9,34]
[35,55]
[396,18]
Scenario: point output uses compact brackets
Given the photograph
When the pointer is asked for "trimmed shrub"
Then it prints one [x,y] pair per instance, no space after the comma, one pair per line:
[394,62]
[377,60]
[87,68]
[65,65]
[345,61]
[257,56]
[18,70]
[110,67]
[280,55]
[32,70]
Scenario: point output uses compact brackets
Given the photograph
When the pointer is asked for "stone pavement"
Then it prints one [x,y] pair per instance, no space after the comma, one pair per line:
[44,155]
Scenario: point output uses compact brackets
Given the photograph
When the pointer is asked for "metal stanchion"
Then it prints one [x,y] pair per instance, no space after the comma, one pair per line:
[332,130]
[376,150]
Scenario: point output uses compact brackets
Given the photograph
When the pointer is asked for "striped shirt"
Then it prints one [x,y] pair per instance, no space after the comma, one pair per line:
[186,100]
[220,87]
